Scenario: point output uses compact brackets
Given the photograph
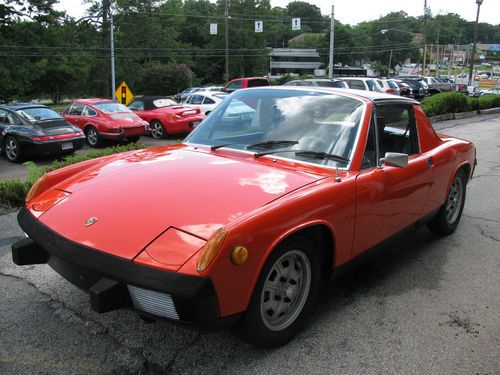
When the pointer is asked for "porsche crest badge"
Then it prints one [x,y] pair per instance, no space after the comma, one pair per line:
[90,221]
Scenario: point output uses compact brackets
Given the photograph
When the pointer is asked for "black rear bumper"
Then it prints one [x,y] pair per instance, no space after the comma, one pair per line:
[105,277]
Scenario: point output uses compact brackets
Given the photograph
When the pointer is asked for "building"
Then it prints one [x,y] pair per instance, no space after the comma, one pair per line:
[293,61]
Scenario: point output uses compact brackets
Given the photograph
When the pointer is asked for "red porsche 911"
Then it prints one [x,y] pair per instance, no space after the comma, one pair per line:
[102,119]
[165,116]
[273,191]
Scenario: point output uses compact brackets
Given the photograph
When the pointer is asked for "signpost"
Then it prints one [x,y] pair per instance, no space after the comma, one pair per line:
[259,26]
[123,94]
[295,23]
[213,29]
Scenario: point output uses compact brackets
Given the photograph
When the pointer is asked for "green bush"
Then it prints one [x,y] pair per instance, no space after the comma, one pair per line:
[473,104]
[446,102]
[13,192]
[489,101]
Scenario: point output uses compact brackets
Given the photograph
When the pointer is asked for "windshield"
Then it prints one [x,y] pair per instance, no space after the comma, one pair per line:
[111,107]
[39,113]
[285,123]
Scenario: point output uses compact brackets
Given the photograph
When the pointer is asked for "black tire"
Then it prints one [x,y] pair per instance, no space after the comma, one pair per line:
[292,297]
[133,139]
[447,219]
[12,150]
[158,131]
[94,139]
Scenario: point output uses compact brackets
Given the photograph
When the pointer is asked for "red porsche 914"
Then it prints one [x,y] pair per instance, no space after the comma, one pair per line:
[270,193]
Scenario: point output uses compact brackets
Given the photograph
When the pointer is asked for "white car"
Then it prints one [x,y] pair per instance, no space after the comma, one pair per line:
[389,86]
[362,83]
[205,100]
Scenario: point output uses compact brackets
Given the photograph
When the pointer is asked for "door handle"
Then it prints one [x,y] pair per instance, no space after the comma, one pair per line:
[430,162]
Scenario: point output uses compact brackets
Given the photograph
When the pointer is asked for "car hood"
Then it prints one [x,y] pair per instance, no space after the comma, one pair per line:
[137,196]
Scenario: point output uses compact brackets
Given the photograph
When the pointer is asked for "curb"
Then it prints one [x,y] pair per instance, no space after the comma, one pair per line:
[461,115]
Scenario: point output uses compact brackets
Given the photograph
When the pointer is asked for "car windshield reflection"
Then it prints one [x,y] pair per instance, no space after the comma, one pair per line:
[288,120]
[39,114]
[110,107]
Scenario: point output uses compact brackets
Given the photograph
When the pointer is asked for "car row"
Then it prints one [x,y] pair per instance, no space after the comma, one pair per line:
[295,183]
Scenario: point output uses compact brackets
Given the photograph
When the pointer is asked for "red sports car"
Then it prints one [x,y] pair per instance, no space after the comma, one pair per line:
[105,119]
[275,189]
[165,116]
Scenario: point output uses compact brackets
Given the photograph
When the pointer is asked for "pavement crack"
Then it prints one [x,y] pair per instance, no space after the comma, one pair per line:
[483,233]
[101,329]
[481,218]
[170,364]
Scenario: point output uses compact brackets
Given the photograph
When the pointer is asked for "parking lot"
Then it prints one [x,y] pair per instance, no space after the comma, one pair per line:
[426,305]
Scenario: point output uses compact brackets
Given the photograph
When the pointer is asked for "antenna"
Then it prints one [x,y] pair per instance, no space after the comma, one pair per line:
[337,174]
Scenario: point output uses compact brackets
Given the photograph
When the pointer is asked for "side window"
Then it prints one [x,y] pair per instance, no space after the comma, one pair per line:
[196,99]
[235,85]
[3,117]
[208,101]
[76,109]
[396,130]
[88,112]
[355,84]
[257,83]
[139,106]
[372,85]
[370,155]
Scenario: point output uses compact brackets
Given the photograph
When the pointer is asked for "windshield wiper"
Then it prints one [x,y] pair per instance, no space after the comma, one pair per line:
[307,153]
[263,145]
[272,144]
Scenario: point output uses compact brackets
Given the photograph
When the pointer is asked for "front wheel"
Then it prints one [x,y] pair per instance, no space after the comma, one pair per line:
[448,216]
[12,150]
[284,294]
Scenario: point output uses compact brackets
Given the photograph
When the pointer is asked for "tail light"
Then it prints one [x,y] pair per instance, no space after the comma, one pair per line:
[389,91]
[45,138]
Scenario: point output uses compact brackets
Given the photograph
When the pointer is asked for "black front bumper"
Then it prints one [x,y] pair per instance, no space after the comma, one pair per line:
[105,277]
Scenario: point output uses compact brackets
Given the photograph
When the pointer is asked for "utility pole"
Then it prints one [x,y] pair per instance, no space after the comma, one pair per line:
[389,68]
[426,15]
[332,35]
[113,80]
[226,16]
[471,68]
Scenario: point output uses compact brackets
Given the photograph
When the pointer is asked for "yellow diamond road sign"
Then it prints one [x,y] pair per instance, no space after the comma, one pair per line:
[123,93]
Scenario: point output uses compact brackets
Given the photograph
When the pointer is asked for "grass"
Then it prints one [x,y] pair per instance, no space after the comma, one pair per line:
[13,191]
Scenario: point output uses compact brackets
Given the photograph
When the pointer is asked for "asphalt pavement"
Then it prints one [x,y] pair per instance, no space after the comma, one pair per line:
[426,305]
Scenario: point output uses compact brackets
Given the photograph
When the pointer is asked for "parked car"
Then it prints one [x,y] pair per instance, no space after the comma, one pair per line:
[102,119]
[181,96]
[490,91]
[165,116]
[251,211]
[206,101]
[419,88]
[247,82]
[318,82]
[389,86]
[404,88]
[437,85]
[33,130]
[362,83]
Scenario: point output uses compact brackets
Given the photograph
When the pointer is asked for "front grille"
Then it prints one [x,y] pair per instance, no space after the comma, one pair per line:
[152,302]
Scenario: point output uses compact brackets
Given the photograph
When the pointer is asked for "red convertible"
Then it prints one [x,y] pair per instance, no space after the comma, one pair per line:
[165,116]
[274,190]
[104,119]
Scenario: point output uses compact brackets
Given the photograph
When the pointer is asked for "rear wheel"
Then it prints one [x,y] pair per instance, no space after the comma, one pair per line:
[448,216]
[157,130]
[12,150]
[284,294]
[93,137]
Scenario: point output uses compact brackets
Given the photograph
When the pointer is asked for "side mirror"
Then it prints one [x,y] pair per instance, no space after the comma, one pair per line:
[395,159]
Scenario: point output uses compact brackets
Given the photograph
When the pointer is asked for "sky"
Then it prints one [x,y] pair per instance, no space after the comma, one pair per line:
[355,11]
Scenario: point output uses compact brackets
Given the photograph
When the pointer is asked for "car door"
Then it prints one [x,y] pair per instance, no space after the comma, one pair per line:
[390,198]
[74,115]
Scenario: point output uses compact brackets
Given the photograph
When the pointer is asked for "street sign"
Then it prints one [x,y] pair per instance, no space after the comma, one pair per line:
[213,29]
[123,93]
[259,26]
[295,23]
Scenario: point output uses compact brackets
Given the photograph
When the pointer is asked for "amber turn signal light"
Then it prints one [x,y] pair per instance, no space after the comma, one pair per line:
[36,187]
[211,249]
[239,255]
